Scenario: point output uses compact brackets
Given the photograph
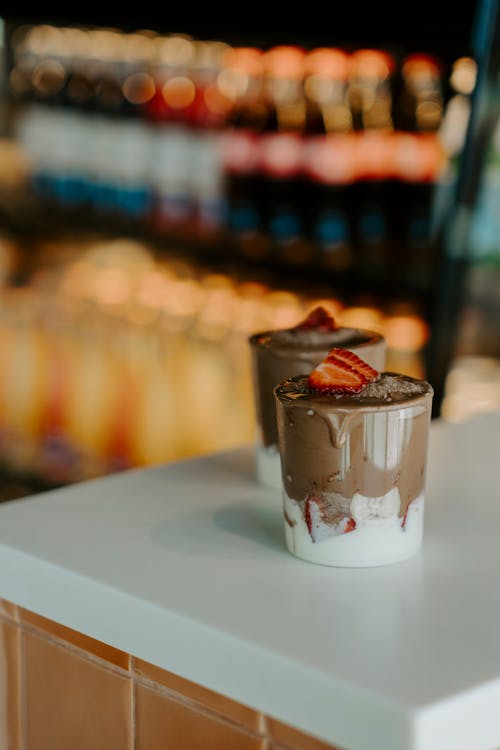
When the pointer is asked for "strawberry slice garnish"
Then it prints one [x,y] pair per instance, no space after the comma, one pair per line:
[341,371]
[334,376]
[403,520]
[316,518]
[318,319]
[350,525]
[312,512]
[352,359]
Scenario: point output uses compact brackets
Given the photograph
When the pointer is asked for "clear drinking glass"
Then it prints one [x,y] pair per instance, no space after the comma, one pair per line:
[353,469]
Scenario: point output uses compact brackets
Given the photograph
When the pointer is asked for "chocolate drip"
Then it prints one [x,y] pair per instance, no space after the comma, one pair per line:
[341,446]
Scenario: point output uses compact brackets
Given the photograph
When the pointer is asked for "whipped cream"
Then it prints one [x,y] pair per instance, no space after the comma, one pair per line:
[268,466]
[380,535]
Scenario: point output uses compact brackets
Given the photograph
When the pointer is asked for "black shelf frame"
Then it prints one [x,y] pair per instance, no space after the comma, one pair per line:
[457,254]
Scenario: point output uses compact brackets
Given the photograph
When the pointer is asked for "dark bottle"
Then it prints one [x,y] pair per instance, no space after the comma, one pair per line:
[208,119]
[37,79]
[325,88]
[329,164]
[281,157]
[419,104]
[420,162]
[19,64]
[370,89]
[241,82]
[44,46]
[370,98]
[375,153]
[169,112]
[331,173]
[123,88]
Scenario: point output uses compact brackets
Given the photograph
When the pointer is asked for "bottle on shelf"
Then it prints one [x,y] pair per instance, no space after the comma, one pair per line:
[331,174]
[281,154]
[370,88]
[328,162]
[118,136]
[169,113]
[38,76]
[134,196]
[420,161]
[208,117]
[325,87]
[241,82]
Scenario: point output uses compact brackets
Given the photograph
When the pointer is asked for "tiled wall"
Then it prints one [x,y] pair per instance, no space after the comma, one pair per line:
[60,690]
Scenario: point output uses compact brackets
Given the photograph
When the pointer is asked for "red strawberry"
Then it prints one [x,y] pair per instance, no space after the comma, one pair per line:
[320,523]
[312,512]
[354,361]
[405,516]
[403,520]
[341,371]
[318,319]
[350,525]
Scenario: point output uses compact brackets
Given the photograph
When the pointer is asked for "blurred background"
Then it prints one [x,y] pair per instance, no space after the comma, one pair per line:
[164,193]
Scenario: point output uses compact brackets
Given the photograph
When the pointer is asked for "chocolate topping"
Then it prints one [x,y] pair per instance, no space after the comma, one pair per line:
[388,388]
[311,338]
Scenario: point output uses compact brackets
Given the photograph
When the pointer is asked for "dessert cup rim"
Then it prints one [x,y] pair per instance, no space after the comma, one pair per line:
[374,337]
[357,405]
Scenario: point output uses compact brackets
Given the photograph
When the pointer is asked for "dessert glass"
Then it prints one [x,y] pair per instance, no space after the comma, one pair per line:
[353,470]
[283,353]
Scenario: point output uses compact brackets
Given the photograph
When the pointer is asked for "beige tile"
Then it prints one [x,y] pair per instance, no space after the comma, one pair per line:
[211,700]
[72,703]
[8,609]
[162,723]
[10,687]
[98,648]
[285,736]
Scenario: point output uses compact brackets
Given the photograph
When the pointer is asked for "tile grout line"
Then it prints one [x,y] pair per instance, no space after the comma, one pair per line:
[133,703]
[23,689]
[11,619]
[136,678]
[77,650]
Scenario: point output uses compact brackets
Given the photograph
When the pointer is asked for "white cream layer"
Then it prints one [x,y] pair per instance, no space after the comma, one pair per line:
[378,539]
[268,466]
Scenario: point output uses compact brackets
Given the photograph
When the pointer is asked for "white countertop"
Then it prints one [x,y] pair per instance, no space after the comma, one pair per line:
[184,565]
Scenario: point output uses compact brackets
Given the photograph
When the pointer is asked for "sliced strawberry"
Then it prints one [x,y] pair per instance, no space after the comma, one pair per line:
[322,523]
[403,520]
[354,361]
[312,512]
[336,377]
[341,372]
[318,319]
[405,516]
[350,525]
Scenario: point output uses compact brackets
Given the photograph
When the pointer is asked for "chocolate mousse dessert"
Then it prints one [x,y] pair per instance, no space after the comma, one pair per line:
[282,353]
[353,446]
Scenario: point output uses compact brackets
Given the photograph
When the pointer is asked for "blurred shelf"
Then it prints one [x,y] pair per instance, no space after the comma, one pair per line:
[32,220]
